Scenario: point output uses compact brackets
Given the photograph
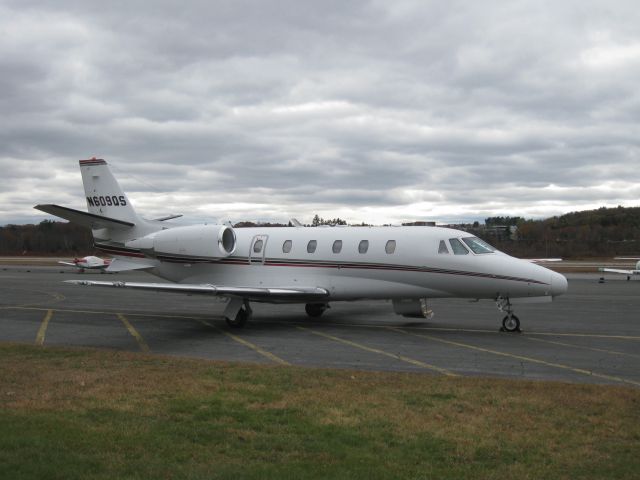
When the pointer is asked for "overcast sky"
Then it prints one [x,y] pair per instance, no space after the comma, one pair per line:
[375,111]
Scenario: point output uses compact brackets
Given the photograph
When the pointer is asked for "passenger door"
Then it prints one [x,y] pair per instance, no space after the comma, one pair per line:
[257,250]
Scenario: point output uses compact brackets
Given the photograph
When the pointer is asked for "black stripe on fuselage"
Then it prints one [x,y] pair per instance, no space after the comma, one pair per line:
[301,263]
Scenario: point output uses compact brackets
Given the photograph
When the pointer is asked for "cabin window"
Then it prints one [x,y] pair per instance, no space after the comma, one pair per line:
[363,246]
[257,246]
[390,247]
[478,246]
[337,246]
[457,247]
[311,246]
[442,248]
[286,246]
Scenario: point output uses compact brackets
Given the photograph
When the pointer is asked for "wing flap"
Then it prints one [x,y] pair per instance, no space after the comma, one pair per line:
[255,293]
[90,220]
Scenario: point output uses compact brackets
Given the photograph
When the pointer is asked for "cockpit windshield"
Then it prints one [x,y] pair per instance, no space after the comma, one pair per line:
[477,245]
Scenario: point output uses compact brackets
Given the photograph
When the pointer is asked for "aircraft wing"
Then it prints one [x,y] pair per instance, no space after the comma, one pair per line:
[68,263]
[617,270]
[250,293]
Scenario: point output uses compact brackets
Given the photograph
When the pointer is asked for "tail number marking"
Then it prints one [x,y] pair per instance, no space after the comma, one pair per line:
[111,201]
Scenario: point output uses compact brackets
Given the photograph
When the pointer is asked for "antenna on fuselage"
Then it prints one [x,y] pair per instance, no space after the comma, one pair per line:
[296,223]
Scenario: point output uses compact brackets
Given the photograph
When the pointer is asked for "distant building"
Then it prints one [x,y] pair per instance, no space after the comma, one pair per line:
[502,231]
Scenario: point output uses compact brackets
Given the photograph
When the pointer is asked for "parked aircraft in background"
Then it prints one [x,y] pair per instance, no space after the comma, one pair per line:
[621,271]
[309,265]
[88,263]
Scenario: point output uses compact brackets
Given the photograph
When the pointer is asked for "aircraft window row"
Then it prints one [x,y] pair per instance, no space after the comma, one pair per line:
[363,246]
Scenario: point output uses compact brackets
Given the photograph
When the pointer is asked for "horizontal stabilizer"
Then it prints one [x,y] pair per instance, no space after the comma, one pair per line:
[90,220]
[251,293]
[125,265]
[167,217]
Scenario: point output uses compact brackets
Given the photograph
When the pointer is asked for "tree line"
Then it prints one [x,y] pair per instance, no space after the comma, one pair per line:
[601,232]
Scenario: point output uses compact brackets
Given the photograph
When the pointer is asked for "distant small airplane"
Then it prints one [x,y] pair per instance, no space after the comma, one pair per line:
[621,271]
[88,263]
[310,266]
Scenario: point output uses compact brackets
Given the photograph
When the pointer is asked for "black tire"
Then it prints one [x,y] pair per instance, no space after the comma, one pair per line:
[315,309]
[239,321]
[511,323]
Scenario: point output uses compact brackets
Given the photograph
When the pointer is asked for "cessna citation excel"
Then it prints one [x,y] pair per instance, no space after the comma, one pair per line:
[307,265]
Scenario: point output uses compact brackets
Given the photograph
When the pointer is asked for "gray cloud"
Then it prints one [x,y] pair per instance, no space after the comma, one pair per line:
[370,110]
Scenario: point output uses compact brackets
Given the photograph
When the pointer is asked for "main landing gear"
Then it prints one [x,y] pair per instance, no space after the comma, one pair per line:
[237,313]
[315,309]
[510,323]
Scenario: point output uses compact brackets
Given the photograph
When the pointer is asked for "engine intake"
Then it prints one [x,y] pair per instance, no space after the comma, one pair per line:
[210,241]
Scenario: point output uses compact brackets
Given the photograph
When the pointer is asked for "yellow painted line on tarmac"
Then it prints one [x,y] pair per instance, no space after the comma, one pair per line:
[101,312]
[434,329]
[134,333]
[585,335]
[43,328]
[520,357]
[246,343]
[380,352]
[594,349]
[471,330]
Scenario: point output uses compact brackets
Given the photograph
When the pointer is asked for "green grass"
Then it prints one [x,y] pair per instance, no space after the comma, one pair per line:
[72,413]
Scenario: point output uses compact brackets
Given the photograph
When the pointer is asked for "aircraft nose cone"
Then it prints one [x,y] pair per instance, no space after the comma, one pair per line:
[558,284]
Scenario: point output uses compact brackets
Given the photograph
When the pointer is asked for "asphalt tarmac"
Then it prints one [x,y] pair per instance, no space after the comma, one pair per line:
[589,335]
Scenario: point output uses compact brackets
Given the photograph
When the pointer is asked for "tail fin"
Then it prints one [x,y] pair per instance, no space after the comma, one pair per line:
[103,193]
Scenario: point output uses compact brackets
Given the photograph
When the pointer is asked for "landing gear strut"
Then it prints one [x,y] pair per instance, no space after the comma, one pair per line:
[315,309]
[510,323]
[237,313]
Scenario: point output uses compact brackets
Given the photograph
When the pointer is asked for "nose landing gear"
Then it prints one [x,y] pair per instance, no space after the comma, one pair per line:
[510,323]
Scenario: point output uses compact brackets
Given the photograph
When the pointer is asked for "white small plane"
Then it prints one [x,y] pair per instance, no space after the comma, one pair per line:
[628,273]
[88,263]
[309,265]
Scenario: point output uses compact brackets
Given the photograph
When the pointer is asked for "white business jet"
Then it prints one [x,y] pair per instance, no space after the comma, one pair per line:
[88,263]
[308,265]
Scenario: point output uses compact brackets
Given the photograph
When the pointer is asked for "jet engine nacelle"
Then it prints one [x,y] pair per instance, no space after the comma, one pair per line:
[209,241]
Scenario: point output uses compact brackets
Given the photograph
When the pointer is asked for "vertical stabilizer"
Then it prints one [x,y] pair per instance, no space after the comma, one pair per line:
[103,193]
